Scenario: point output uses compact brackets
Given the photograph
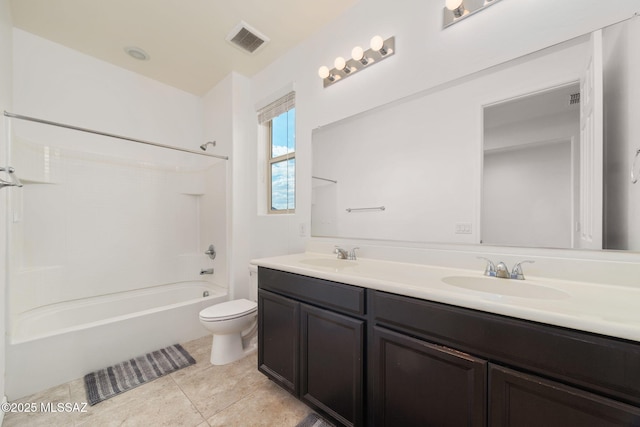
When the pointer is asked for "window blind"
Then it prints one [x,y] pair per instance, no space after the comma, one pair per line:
[277,107]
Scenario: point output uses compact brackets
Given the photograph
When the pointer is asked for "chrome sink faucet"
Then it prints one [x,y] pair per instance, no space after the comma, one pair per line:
[501,270]
[343,254]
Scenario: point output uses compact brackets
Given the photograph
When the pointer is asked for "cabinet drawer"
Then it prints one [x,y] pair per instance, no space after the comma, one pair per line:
[602,364]
[336,296]
[518,400]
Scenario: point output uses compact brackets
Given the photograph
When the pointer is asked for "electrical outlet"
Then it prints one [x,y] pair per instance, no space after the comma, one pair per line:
[463,228]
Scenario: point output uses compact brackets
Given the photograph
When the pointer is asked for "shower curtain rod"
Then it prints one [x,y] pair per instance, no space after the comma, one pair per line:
[111,135]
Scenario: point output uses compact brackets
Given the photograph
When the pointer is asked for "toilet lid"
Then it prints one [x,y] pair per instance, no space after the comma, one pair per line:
[228,310]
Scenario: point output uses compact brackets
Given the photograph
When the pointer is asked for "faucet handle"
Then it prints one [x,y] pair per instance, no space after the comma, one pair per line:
[516,273]
[490,269]
[352,253]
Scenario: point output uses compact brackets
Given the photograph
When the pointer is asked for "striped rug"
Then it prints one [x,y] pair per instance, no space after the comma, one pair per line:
[116,379]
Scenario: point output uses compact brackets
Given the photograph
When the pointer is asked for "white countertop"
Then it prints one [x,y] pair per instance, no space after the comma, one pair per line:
[603,309]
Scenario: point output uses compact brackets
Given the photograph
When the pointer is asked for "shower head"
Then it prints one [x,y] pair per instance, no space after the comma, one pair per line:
[203,147]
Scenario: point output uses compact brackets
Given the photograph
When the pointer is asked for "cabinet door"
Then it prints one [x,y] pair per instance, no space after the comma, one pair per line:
[331,359]
[521,400]
[278,338]
[421,384]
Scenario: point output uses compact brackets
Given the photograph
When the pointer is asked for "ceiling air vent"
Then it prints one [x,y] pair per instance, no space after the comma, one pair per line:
[574,98]
[245,37]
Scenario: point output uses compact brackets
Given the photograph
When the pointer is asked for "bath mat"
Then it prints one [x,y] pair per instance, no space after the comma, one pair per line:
[116,379]
[313,420]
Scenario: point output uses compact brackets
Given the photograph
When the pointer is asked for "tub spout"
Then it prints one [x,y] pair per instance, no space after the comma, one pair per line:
[207,271]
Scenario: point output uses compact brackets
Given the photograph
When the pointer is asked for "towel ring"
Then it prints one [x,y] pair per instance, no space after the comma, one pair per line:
[634,171]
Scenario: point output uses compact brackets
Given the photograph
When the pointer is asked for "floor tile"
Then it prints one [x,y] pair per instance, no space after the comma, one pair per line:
[267,405]
[199,395]
[214,388]
[43,407]
[158,403]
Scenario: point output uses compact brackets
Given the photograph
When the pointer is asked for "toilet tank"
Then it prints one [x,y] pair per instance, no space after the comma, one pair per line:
[253,282]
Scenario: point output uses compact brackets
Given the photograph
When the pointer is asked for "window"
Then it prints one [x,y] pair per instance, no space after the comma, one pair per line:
[279,118]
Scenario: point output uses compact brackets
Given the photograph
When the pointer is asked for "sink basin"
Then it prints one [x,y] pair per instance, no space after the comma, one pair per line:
[506,287]
[329,263]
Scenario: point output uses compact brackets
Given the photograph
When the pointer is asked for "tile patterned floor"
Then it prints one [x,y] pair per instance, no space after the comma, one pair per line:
[201,395]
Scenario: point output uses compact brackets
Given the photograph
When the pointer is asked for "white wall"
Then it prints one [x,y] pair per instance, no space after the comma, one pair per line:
[217,126]
[527,197]
[227,118]
[622,107]
[244,204]
[56,83]
[5,105]
[425,56]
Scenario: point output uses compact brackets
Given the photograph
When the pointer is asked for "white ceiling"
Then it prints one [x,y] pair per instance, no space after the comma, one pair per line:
[185,39]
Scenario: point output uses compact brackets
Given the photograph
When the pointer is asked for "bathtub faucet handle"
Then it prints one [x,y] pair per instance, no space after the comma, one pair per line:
[206,271]
[211,251]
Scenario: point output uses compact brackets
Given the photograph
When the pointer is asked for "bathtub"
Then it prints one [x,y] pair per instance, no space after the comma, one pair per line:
[61,342]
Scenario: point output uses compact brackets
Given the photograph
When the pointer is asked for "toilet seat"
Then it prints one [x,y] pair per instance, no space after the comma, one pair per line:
[228,310]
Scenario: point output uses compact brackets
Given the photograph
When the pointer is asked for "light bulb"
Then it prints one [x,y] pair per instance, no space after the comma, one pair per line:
[323,72]
[453,4]
[377,43]
[340,63]
[357,53]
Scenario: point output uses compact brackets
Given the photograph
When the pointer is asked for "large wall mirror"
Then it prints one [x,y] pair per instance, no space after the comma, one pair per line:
[507,156]
[530,172]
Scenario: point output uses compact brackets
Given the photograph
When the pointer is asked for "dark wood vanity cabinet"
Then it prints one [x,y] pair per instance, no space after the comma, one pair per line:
[417,383]
[421,363]
[311,337]
[525,374]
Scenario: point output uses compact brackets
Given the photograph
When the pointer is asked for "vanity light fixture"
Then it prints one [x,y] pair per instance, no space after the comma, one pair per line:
[457,7]
[341,65]
[325,74]
[358,55]
[456,10]
[360,59]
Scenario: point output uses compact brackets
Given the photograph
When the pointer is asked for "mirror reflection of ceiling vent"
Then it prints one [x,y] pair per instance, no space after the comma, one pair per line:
[244,37]
[574,98]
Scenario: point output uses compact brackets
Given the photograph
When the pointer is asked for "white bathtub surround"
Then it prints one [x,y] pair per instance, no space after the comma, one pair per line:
[601,308]
[62,342]
[107,242]
[90,223]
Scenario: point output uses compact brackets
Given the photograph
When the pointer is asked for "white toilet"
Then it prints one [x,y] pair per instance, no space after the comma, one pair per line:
[234,325]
